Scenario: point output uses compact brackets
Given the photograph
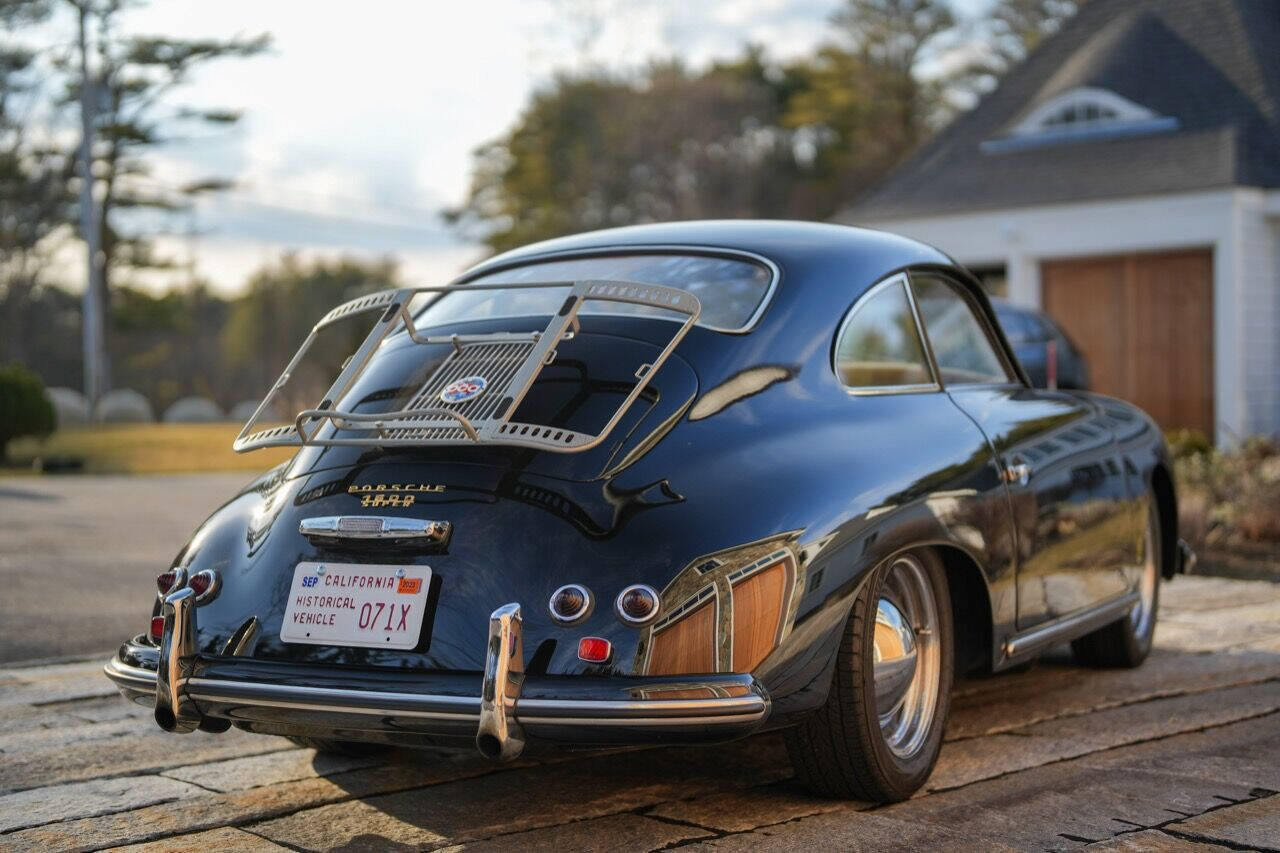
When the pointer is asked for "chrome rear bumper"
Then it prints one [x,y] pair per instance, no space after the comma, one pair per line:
[496,713]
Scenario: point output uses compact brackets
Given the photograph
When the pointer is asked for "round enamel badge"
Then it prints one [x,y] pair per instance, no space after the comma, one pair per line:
[462,390]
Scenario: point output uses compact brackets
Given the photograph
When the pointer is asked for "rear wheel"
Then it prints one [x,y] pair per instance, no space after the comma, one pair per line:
[879,733]
[1127,642]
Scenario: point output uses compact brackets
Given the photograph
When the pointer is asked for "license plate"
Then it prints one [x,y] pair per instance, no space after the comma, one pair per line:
[350,604]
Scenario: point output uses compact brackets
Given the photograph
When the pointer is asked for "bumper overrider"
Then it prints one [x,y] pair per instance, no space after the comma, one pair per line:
[509,710]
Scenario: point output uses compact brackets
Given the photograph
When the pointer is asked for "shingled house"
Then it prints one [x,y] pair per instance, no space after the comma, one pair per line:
[1126,178]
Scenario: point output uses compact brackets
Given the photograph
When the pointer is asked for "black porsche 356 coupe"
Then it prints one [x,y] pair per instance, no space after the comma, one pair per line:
[666,484]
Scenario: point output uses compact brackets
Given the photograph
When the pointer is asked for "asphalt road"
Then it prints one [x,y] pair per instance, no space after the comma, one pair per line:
[1181,753]
[79,555]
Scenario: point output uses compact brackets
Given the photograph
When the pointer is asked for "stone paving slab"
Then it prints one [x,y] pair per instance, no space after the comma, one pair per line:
[625,833]
[1253,824]
[86,799]
[227,838]
[1178,754]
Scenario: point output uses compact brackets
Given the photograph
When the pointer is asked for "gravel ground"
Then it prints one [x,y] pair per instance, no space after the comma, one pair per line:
[79,555]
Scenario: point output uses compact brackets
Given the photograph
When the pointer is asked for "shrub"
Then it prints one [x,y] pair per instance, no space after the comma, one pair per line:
[1188,442]
[24,408]
[1230,496]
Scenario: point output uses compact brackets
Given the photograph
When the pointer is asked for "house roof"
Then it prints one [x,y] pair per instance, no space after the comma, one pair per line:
[1213,66]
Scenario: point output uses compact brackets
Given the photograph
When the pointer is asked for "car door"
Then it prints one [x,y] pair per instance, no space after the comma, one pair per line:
[1078,537]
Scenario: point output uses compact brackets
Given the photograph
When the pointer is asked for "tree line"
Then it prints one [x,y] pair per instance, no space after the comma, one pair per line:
[749,136]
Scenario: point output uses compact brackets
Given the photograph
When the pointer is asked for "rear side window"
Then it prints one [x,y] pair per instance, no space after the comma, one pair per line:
[962,348]
[878,346]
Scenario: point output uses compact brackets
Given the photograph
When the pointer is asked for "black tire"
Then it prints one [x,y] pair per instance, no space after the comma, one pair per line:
[840,750]
[351,748]
[1126,642]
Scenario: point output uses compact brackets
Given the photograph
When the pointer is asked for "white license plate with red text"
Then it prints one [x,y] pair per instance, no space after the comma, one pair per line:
[348,604]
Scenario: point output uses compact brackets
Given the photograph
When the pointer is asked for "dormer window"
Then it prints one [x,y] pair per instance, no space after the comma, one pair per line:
[1082,113]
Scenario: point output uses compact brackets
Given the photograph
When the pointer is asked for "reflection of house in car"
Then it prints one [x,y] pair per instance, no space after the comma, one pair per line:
[1126,180]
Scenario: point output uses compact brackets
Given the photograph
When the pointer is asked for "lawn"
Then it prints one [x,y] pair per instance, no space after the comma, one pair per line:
[145,449]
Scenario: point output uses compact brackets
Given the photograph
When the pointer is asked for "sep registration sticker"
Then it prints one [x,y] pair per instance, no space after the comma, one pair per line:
[349,604]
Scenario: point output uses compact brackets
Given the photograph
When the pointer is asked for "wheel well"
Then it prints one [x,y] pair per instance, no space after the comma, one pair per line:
[1167,510]
[970,610]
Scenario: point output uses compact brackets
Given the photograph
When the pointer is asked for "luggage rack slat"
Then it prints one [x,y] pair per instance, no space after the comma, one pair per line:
[507,362]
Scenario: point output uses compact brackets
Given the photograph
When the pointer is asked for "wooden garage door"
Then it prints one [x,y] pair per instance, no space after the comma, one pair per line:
[1146,324]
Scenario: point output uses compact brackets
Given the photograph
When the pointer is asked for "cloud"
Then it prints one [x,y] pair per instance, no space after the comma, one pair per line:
[360,123]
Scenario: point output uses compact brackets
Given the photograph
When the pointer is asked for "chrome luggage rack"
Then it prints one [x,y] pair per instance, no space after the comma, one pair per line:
[509,362]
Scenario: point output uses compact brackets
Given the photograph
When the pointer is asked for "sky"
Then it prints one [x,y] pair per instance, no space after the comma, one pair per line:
[360,121]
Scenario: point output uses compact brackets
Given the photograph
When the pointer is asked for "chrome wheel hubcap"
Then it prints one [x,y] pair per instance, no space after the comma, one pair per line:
[906,656]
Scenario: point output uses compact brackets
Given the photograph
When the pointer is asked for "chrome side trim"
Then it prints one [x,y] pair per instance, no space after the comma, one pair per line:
[499,734]
[374,527]
[174,711]
[1069,627]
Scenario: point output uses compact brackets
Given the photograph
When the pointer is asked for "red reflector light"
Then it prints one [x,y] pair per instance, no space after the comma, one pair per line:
[594,649]
[205,585]
[157,627]
[168,581]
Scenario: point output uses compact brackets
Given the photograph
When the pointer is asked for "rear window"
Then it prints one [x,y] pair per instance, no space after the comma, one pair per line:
[731,290]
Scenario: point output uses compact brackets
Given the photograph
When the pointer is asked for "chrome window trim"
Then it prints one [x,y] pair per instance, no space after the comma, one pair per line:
[935,387]
[775,272]
[1013,376]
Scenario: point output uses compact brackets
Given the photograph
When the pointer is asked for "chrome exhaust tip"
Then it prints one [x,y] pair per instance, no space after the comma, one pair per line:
[175,711]
[499,736]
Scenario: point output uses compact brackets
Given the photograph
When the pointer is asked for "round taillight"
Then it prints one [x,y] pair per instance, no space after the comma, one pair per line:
[594,649]
[205,585]
[637,604]
[157,628]
[570,604]
[170,581]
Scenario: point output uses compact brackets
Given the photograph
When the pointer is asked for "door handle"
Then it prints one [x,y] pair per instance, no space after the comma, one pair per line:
[1020,474]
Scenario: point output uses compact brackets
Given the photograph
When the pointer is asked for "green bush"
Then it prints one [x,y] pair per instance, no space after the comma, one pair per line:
[24,409]
[1184,443]
[1230,496]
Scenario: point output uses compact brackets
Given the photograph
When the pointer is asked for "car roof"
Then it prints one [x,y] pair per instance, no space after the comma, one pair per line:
[785,242]
[823,268]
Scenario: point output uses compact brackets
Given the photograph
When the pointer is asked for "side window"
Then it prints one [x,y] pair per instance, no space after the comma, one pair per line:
[878,345]
[963,350]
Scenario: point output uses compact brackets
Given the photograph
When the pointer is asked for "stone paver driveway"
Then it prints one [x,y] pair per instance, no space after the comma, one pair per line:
[1183,753]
